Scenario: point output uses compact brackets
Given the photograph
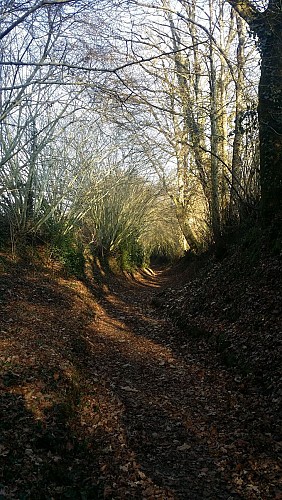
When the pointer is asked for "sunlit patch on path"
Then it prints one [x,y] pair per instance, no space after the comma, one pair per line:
[104,397]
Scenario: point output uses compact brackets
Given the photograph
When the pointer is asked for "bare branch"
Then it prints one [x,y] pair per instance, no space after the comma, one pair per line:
[93,69]
[33,9]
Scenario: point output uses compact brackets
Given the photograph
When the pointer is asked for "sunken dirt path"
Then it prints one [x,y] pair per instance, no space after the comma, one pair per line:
[102,397]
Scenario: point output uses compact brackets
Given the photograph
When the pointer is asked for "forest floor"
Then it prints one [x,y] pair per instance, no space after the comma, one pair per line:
[103,395]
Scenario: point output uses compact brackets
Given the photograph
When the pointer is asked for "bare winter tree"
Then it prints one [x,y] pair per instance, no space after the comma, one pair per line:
[266,24]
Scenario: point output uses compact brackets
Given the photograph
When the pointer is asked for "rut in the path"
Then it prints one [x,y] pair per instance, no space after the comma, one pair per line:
[182,423]
[102,397]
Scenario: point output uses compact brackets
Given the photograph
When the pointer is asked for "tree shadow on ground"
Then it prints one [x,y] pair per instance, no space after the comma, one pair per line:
[180,406]
[102,404]
[40,457]
[157,435]
[44,450]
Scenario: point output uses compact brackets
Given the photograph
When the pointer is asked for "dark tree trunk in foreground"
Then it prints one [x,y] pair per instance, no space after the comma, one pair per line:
[268,27]
[270,114]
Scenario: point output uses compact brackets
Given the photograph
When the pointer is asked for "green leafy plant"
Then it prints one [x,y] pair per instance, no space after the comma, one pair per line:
[70,253]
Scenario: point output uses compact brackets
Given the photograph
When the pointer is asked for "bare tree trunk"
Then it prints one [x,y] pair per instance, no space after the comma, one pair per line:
[268,27]
[222,88]
[270,112]
[183,133]
[215,210]
[238,136]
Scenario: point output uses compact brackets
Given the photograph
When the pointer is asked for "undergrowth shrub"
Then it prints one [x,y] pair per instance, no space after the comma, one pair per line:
[70,253]
[131,255]
[66,247]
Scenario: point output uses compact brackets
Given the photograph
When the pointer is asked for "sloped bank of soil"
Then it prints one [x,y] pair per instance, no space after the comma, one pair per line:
[232,308]
[103,397]
[44,452]
[237,307]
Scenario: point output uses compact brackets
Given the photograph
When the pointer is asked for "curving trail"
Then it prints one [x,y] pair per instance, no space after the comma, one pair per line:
[108,397]
[189,424]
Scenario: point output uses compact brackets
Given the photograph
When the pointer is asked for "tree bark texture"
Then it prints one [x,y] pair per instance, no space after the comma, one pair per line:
[238,133]
[270,113]
[267,26]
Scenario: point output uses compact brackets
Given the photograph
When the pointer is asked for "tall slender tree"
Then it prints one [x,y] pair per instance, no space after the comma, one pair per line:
[267,26]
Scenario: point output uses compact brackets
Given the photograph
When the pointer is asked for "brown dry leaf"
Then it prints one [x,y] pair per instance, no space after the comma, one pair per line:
[4,451]
[129,389]
[114,416]
[184,447]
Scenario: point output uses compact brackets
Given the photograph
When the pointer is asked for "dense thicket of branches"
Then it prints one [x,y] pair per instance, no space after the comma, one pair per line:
[133,125]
